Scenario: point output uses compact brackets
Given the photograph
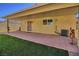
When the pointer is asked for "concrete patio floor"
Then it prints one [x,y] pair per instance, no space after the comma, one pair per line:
[49,40]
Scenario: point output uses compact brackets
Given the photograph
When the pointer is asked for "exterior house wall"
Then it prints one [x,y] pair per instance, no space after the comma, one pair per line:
[3,27]
[14,25]
[63,19]
[24,25]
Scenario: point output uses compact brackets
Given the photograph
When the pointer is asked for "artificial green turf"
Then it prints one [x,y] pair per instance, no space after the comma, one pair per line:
[12,46]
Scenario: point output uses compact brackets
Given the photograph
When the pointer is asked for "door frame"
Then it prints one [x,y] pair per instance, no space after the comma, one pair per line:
[29,26]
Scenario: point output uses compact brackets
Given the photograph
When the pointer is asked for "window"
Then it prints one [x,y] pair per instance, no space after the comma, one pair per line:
[47,22]
[44,22]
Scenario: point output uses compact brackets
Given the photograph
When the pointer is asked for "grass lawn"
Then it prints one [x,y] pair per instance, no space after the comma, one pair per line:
[12,46]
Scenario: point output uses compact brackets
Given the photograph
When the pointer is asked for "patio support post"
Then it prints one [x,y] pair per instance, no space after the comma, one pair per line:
[7,25]
[77,16]
[78,35]
[78,28]
[77,32]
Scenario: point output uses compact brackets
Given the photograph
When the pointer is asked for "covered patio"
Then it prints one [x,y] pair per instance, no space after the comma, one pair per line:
[60,42]
[46,19]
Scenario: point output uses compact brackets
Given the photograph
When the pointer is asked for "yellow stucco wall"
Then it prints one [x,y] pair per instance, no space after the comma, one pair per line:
[3,27]
[65,19]
[14,25]
[62,23]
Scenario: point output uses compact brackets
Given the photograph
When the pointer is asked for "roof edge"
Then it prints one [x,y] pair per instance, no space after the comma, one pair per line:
[25,10]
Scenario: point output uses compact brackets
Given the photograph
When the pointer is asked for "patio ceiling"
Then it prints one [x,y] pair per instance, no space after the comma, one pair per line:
[43,8]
